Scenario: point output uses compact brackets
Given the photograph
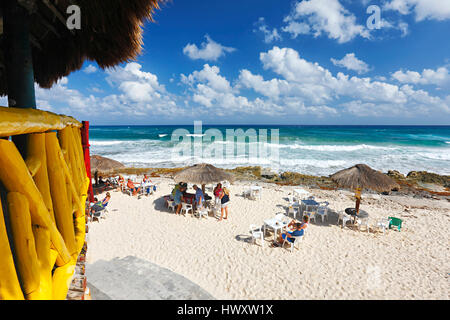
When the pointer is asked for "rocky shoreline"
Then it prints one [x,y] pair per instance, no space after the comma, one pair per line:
[415,183]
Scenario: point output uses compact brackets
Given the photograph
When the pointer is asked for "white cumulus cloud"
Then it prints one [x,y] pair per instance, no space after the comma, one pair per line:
[269,35]
[209,50]
[423,9]
[327,17]
[351,62]
[438,77]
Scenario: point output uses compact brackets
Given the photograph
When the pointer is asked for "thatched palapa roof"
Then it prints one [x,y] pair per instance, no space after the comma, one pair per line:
[362,176]
[110,34]
[203,174]
[103,164]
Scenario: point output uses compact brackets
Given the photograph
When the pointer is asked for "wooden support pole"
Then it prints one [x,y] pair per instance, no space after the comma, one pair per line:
[18,61]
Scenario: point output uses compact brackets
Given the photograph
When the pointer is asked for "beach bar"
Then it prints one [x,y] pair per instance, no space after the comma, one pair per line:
[44,157]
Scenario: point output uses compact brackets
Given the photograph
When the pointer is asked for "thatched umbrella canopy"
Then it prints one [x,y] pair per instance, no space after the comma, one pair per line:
[110,34]
[361,177]
[203,174]
[102,164]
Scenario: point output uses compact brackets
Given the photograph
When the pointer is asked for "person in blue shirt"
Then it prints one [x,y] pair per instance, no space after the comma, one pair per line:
[199,197]
[298,230]
[100,205]
[178,197]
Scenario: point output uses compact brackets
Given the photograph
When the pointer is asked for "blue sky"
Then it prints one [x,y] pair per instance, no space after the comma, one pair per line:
[274,62]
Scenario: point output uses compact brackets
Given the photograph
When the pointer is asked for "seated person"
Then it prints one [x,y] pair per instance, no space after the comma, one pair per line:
[121,182]
[147,183]
[100,205]
[178,198]
[199,197]
[298,230]
[132,188]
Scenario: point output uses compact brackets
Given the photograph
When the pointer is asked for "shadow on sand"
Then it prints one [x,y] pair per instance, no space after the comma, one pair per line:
[132,278]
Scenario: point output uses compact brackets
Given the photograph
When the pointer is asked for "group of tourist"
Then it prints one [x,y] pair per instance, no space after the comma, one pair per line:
[221,194]
[146,183]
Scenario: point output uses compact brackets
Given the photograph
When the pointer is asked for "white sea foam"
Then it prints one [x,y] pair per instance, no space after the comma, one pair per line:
[195,135]
[106,142]
[305,158]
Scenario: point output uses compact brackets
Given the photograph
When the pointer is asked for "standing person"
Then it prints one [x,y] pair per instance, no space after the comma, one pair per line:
[224,200]
[199,197]
[178,198]
[217,193]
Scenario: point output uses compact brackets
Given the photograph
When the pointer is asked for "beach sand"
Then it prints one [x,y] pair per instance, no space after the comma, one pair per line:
[332,263]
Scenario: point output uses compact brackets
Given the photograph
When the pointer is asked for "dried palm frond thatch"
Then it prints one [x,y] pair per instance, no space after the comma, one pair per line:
[102,164]
[363,177]
[203,174]
[110,34]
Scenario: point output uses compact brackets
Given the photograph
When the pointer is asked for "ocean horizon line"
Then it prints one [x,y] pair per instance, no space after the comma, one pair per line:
[271,125]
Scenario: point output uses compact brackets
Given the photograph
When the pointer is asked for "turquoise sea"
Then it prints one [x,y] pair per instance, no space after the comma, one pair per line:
[316,150]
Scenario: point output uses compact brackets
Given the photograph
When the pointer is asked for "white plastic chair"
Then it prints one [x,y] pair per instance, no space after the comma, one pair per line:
[202,212]
[296,241]
[171,205]
[186,208]
[216,210]
[280,217]
[322,211]
[257,233]
[256,194]
[383,224]
[292,210]
[247,193]
[344,217]
[311,215]
[363,222]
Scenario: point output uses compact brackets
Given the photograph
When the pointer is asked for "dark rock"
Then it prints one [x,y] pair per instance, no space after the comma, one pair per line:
[395,174]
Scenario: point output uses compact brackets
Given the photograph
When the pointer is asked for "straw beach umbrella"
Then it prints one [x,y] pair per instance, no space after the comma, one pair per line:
[104,165]
[203,174]
[42,41]
[110,33]
[361,177]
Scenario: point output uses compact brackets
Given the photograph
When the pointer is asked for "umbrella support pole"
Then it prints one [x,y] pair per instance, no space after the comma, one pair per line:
[18,61]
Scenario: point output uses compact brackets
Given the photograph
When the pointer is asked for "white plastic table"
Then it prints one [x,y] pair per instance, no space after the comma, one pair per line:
[276,225]
[301,192]
[308,203]
[146,185]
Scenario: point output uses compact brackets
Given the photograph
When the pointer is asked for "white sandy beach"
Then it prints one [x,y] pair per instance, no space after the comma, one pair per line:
[332,263]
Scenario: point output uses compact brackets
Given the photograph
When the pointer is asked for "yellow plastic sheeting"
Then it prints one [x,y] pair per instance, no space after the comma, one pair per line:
[62,278]
[37,164]
[15,121]
[58,188]
[16,178]
[46,262]
[9,283]
[46,196]
[24,245]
